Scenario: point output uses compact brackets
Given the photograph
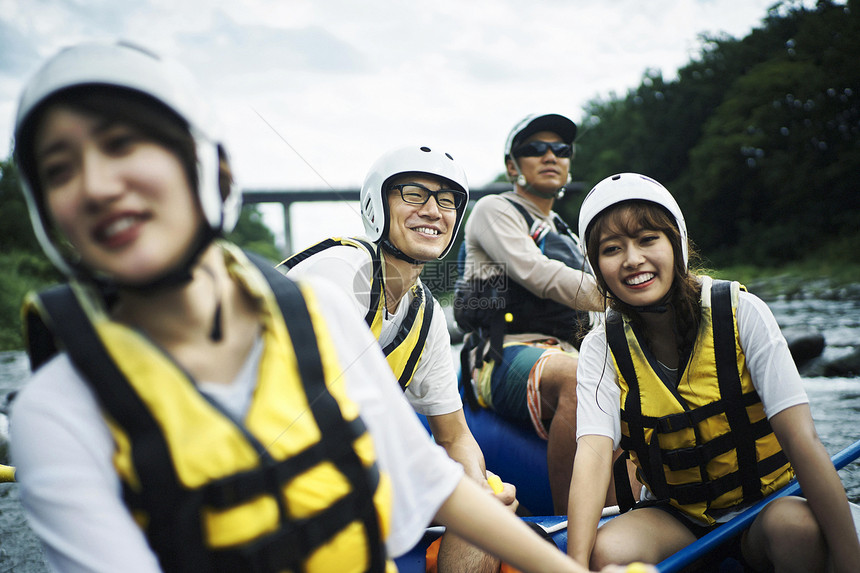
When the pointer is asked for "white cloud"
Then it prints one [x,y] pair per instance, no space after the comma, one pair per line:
[342,81]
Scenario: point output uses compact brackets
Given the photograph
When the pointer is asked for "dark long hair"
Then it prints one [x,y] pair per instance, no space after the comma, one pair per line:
[684,296]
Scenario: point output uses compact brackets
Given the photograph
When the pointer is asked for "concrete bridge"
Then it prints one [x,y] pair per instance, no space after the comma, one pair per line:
[286,197]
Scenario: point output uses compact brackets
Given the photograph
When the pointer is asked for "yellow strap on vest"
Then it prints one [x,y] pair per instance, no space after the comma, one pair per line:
[401,355]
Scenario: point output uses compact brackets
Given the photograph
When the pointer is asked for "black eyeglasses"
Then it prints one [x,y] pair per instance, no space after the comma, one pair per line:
[538,148]
[416,194]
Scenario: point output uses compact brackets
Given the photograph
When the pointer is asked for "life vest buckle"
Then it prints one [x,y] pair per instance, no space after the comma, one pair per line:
[674,423]
[685,458]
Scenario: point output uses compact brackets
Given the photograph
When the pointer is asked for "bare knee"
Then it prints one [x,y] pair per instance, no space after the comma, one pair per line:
[605,552]
[457,556]
[793,523]
[788,535]
[558,383]
[612,549]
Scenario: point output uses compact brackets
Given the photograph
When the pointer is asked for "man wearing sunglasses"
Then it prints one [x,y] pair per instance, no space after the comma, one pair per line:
[526,295]
[412,204]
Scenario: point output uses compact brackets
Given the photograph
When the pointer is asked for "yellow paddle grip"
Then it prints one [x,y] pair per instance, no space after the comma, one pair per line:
[495,483]
[7,473]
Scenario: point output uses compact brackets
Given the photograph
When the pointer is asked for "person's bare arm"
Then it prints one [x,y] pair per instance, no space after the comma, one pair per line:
[821,485]
[592,468]
[452,433]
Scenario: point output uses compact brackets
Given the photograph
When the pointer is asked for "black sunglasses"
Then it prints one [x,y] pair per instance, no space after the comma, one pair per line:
[538,149]
[416,194]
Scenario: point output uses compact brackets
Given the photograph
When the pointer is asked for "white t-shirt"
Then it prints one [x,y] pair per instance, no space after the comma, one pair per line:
[72,495]
[433,390]
[774,373]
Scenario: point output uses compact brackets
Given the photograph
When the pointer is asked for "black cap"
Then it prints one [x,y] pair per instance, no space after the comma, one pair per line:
[534,123]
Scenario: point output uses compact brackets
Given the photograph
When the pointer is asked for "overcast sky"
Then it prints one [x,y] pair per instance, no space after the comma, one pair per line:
[311,92]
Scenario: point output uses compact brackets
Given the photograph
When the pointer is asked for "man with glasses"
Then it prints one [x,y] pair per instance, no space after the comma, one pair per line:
[526,294]
[412,204]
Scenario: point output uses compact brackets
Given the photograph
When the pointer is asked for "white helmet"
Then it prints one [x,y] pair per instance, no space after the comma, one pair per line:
[628,187]
[128,67]
[534,123]
[412,159]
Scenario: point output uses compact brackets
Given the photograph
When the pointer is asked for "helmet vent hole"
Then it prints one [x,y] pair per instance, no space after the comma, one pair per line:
[448,155]
[616,177]
[426,149]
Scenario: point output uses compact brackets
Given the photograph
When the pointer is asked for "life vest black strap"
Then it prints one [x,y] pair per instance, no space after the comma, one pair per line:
[324,407]
[710,490]
[631,409]
[697,456]
[561,227]
[471,341]
[243,487]
[623,490]
[309,252]
[526,215]
[159,484]
[691,418]
[285,548]
[423,297]
[376,280]
[730,386]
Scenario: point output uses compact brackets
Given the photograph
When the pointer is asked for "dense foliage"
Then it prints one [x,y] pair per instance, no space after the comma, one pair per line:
[26,268]
[758,138]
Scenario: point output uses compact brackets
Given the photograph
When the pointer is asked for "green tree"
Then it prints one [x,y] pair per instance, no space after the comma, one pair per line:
[252,233]
[758,138]
[16,232]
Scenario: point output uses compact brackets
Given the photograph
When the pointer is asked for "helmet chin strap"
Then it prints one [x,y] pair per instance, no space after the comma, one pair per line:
[389,248]
[181,273]
[175,277]
[653,308]
[659,307]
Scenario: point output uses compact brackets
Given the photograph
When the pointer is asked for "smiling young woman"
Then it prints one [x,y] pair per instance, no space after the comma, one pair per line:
[692,377]
[119,196]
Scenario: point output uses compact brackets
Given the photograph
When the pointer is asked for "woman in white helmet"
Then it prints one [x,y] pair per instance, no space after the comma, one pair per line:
[702,365]
[202,412]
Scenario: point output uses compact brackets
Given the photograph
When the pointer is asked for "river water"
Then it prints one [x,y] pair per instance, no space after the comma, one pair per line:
[835,404]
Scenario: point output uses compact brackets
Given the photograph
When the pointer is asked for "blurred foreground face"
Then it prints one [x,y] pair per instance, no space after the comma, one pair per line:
[121,200]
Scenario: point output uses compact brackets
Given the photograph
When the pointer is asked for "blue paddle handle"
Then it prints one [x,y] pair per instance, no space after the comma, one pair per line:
[737,524]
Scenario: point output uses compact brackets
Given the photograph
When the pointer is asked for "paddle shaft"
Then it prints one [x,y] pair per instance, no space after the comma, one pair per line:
[736,525]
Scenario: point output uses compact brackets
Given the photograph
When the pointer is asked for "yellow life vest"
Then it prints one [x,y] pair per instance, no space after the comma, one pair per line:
[704,444]
[404,352]
[292,487]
